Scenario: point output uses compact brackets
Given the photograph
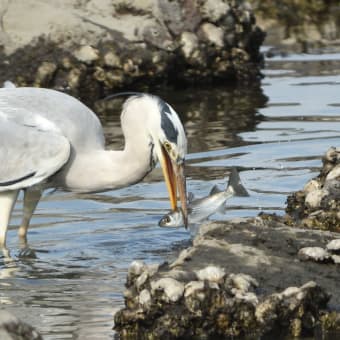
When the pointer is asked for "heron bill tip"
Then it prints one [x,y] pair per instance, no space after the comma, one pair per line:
[176,182]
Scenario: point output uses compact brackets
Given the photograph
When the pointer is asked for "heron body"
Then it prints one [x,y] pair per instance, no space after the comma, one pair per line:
[51,140]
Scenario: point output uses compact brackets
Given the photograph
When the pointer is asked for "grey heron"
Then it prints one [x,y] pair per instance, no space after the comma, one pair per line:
[49,139]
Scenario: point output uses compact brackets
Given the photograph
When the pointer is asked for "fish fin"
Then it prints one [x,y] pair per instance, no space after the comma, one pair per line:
[191,197]
[214,190]
[222,209]
[236,185]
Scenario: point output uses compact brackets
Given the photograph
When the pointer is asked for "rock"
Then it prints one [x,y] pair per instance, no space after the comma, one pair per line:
[211,273]
[152,269]
[86,54]
[185,255]
[158,36]
[111,59]
[318,204]
[182,275]
[208,308]
[266,311]
[241,282]
[141,280]
[8,84]
[311,186]
[332,155]
[127,42]
[317,254]
[11,328]
[173,289]
[334,246]
[193,287]
[249,298]
[303,26]
[334,174]
[214,10]
[335,259]
[314,198]
[243,278]
[45,73]
[145,298]
[189,44]
[212,34]
[136,268]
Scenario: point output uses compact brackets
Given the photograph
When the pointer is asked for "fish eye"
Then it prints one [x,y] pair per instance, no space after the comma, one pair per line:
[166,219]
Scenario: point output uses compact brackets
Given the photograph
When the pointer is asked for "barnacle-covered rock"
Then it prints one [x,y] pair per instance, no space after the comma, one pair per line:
[173,289]
[145,298]
[114,43]
[211,273]
[241,282]
[317,254]
[246,278]
[299,26]
[205,297]
[318,204]
[334,246]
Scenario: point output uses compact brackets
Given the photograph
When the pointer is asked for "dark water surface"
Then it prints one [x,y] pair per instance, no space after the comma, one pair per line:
[275,135]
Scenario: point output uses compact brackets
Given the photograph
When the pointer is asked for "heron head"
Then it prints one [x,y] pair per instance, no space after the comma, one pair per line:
[171,148]
[166,137]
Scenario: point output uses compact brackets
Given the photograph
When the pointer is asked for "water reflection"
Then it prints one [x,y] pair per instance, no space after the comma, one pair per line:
[212,118]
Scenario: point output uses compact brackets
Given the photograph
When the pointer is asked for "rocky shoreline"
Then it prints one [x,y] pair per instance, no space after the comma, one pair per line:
[254,278]
[90,50]
[299,26]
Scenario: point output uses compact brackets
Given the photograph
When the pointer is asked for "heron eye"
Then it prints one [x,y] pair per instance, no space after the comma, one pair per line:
[167,146]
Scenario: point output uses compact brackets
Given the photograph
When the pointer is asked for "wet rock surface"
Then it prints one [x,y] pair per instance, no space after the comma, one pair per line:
[317,205]
[91,49]
[247,278]
[11,328]
[238,279]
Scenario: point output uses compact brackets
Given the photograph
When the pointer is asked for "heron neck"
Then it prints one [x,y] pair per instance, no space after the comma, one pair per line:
[102,170]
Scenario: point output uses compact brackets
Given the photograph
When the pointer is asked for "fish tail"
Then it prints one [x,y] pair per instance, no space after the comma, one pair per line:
[235,183]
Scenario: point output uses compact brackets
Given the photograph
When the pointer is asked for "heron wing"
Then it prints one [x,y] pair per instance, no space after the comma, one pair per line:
[31,149]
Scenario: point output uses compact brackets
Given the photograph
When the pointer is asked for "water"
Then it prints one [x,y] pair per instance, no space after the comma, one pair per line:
[275,135]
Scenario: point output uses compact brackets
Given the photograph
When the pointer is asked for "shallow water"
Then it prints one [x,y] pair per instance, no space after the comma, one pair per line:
[84,244]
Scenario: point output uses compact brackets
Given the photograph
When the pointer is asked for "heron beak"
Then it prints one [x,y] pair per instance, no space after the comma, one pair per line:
[175,181]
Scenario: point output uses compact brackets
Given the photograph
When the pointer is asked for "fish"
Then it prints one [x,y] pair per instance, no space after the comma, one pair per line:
[200,209]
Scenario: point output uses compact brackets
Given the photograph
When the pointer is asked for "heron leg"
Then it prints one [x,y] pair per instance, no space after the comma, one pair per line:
[31,199]
[7,201]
